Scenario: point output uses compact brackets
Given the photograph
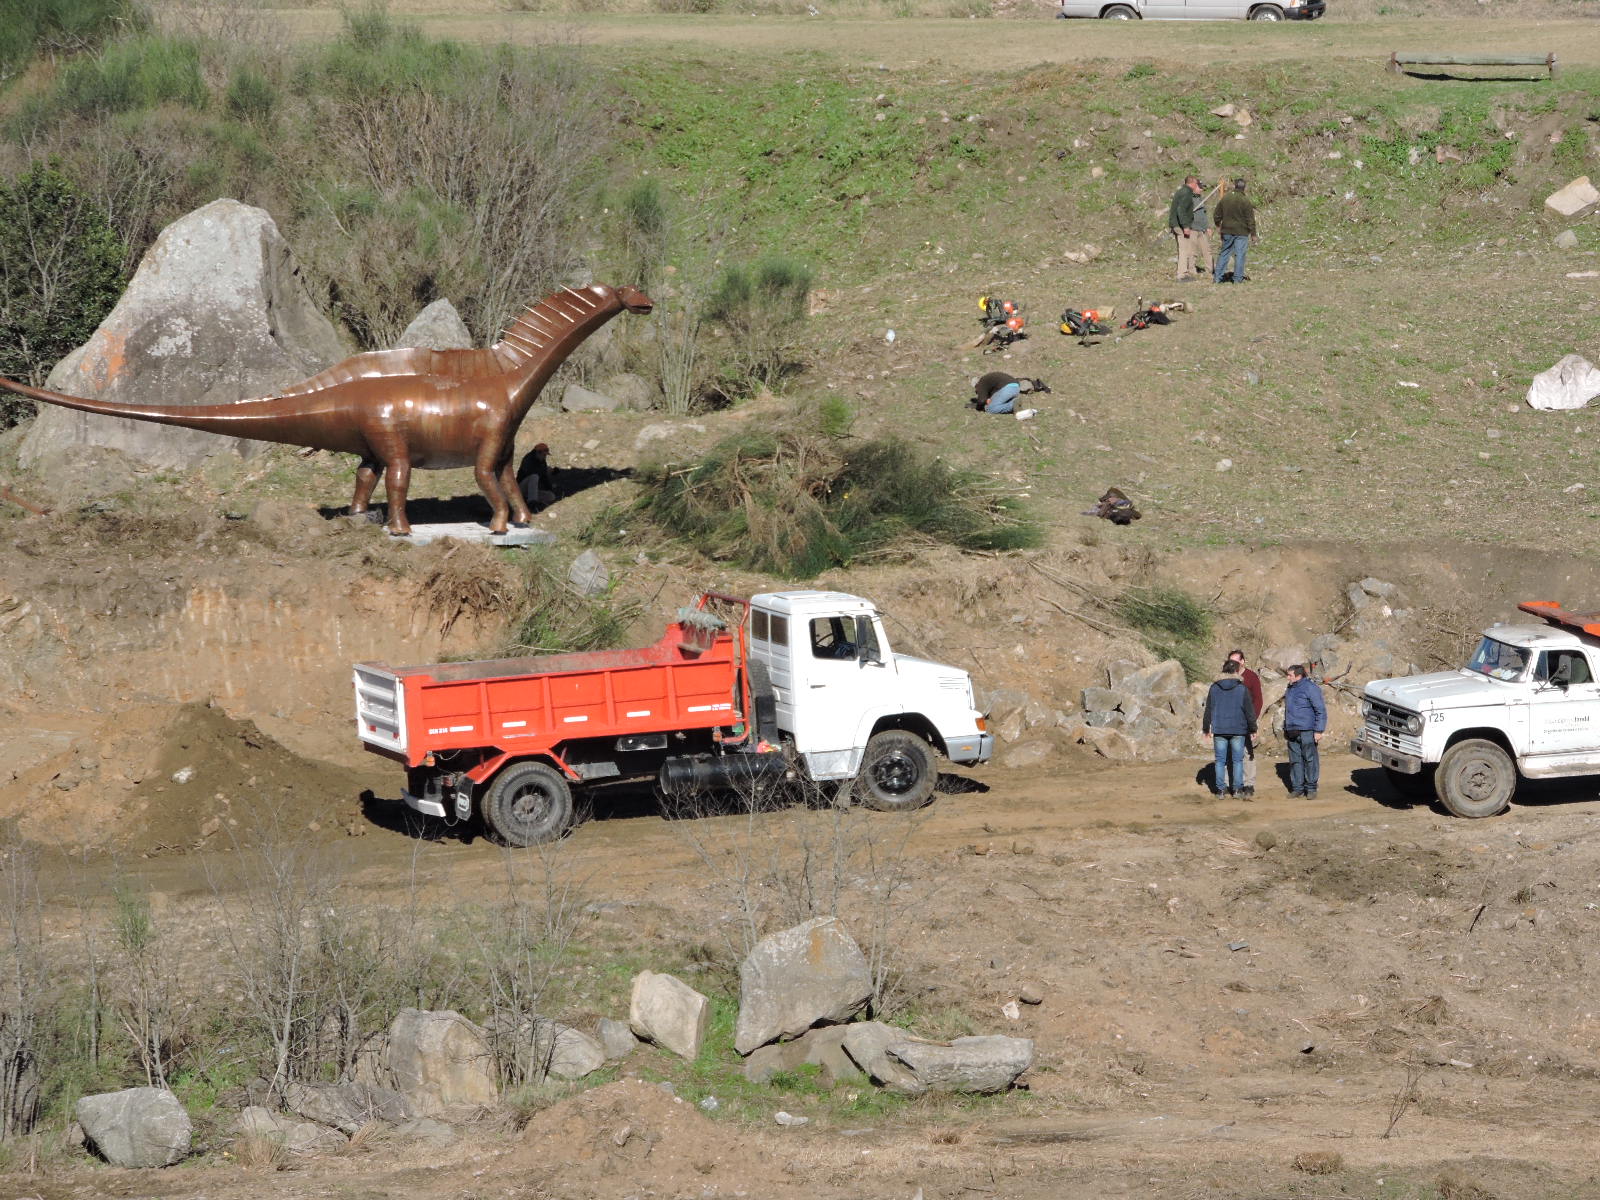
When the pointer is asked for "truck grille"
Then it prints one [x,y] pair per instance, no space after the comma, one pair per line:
[1385,726]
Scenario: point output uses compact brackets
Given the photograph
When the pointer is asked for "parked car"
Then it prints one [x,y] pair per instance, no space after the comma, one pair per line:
[1195,10]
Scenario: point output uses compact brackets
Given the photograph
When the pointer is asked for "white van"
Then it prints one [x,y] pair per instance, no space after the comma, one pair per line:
[1195,10]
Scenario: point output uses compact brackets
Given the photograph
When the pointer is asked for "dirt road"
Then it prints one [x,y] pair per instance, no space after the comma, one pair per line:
[968,47]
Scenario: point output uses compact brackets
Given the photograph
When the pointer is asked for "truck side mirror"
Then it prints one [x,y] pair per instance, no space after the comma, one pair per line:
[866,643]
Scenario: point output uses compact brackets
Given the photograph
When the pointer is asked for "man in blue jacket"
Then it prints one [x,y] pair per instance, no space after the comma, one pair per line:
[1230,718]
[1305,720]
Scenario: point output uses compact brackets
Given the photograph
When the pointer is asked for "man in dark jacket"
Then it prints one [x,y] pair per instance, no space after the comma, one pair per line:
[1229,718]
[1180,219]
[1305,719]
[1235,218]
[1252,684]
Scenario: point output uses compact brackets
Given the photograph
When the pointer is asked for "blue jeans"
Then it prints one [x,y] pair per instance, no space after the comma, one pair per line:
[1230,753]
[1305,767]
[1004,400]
[1234,246]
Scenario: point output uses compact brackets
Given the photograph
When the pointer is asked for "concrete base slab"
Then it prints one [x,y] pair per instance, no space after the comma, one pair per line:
[465,531]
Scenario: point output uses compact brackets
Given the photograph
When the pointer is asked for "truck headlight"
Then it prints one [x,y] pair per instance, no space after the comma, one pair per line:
[1366,708]
[1413,725]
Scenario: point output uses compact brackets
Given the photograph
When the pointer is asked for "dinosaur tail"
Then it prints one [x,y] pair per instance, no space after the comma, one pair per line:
[267,418]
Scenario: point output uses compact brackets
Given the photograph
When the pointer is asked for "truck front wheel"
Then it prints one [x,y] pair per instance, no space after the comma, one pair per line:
[1476,778]
[897,772]
[528,803]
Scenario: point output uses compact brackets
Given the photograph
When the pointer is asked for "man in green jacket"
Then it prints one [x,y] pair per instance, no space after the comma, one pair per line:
[1236,222]
[1180,219]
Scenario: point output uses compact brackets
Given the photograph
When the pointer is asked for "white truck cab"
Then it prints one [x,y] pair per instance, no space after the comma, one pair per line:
[1526,705]
[851,706]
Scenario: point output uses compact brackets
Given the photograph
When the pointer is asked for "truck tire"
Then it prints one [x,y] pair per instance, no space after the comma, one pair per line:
[1413,787]
[897,772]
[1476,778]
[528,803]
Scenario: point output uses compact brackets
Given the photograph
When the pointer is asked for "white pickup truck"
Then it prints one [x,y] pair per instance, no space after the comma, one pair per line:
[1526,705]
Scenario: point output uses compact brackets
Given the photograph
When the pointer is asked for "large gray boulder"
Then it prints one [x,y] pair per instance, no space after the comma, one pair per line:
[968,1064]
[667,1011]
[216,312]
[138,1127]
[794,979]
[616,1039]
[439,1060]
[437,327]
[345,1106]
[540,1047]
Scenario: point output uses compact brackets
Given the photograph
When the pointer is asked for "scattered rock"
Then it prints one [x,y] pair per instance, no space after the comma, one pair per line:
[1566,240]
[665,1010]
[297,1137]
[868,1044]
[664,431]
[137,1127]
[1266,839]
[578,398]
[437,327]
[216,312]
[968,1064]
[1031,993]
[633,393]
[439,1060]
[345,1106]
[793,979]
[1572,383]
[541,1047]
[1224,464]
[589,574]
[428,1131]
[616,1039]
[1571,200]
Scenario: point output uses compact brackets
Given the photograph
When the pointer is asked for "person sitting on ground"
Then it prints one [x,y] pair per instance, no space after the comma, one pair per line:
[535,478]
[997,392]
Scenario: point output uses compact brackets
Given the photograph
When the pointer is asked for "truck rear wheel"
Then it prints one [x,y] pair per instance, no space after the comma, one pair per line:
[528,803]
[1476,778]
[897,772]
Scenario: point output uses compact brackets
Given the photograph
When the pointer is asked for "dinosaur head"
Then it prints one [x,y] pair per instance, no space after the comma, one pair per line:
[634,300]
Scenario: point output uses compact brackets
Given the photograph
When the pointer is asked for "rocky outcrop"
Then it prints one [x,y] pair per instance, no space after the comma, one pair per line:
[797,978]
[216,312]
[437,327]
[345,1106]
[968,1064]
[667,1011]
[138,1127]
[439,1060]
[297,1137]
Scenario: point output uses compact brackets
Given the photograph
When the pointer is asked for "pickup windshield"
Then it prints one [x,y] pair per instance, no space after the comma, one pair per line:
[1499,660]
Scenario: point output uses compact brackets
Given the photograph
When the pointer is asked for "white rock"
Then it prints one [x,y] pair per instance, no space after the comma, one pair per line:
[665,1010]
[1574,198]
[1571,383]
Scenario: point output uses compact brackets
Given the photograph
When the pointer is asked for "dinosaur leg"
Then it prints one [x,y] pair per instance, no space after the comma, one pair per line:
[520,514]
[366,481]
[396,483]
[487,474]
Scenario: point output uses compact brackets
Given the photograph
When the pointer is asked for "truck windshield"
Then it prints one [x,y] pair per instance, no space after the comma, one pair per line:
[1498,660]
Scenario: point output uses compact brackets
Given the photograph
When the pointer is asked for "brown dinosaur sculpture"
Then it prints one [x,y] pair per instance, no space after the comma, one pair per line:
[413,408]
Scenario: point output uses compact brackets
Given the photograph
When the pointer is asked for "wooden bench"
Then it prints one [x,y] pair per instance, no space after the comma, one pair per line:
[1400,61]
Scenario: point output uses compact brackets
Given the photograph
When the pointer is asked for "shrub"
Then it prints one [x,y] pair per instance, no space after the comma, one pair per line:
[60,273]
[763,308]
[555,617]
[643,210]
[133,74]
[795,502]
[250,95]
[52,26]
[1173,625]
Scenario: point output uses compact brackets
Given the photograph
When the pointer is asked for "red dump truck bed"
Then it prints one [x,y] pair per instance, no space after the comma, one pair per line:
[690,679]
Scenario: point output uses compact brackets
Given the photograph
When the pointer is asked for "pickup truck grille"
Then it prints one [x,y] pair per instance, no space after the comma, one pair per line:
[1386,726]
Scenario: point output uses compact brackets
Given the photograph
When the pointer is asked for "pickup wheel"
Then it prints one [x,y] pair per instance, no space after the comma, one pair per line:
[1413,787]
[1118,12]
[897,772]
[1476,778]
[528,803]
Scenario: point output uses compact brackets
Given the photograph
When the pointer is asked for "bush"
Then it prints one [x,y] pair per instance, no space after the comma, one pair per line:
[554,617]
[1173,625]
[60,274]
[135,74]
[795,502]
[763,308]
[251,96]
[53,26]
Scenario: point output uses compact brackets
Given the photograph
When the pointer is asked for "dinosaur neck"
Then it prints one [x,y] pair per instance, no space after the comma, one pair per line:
[539,341]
